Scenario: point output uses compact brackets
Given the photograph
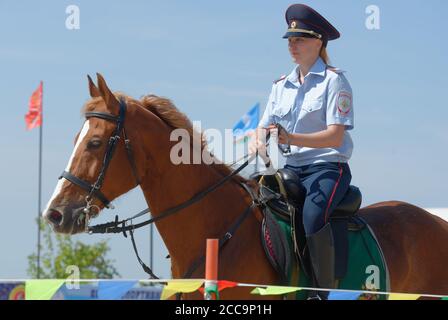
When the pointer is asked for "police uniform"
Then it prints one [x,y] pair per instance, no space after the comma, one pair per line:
[324,98]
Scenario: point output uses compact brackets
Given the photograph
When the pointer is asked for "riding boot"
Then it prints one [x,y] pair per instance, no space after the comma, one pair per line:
[322,254]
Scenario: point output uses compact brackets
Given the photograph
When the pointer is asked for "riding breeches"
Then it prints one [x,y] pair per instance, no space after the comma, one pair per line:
[326,183]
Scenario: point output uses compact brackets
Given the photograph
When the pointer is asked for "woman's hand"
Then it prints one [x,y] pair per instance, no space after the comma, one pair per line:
[258,143]
[283,136]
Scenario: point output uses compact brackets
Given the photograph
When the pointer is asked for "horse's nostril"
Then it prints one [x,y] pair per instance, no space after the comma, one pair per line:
[55,217]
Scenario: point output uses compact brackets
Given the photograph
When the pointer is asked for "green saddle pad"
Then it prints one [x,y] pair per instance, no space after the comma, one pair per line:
[366,267]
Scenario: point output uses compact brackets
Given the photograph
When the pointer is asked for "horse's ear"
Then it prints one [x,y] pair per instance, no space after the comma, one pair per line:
[94,92]
[111,102]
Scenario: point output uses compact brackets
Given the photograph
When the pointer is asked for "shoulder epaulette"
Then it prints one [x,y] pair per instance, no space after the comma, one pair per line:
[280,79]
[335,70]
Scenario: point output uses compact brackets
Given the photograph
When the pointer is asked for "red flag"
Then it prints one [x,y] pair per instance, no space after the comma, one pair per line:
[33,118]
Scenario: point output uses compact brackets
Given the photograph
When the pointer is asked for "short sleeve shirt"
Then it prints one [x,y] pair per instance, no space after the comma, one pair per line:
[325,98]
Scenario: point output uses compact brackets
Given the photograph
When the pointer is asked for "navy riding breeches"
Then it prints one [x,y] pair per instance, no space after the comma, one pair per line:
[326,184]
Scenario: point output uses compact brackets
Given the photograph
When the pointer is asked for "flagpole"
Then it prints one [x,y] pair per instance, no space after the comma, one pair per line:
[40,183]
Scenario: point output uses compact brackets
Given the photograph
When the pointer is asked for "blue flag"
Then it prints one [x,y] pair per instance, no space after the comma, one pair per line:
[114,290]
[248,122]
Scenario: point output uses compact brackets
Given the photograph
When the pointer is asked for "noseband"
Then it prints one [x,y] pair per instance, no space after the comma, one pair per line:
[94,190]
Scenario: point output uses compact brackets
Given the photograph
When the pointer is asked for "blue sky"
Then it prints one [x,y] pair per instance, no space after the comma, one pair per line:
[215,60]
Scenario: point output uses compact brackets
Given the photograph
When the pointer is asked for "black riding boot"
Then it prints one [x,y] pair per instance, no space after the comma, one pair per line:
[322,254]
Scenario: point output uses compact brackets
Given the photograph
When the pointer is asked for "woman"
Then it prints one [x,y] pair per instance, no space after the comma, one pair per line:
[314,104]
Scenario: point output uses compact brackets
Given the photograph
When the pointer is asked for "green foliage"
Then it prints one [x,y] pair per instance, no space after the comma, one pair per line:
[60,251]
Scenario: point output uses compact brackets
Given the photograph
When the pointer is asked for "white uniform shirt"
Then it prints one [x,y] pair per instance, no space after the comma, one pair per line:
[325,98]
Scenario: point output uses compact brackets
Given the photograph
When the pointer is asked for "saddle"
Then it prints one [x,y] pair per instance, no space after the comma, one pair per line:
[283,196]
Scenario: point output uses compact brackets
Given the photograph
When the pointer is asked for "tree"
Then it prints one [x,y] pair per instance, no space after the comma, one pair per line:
[61,251]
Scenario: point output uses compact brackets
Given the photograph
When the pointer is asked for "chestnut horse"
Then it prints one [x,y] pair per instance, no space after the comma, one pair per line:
[414,242]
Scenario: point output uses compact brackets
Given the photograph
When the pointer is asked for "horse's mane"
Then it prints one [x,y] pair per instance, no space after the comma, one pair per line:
[165,110]
[168,113]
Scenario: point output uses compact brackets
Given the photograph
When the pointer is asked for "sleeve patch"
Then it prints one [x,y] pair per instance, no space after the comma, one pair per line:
[344,103]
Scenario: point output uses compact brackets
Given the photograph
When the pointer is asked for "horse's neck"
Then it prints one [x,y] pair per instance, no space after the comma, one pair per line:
[185,232]
[166,185]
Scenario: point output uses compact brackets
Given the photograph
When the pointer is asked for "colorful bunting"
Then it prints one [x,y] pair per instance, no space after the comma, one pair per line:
[42,289]
[212,292]
[177,286]
[222,284]
[274,290]
[113,290]
[403,296]
[338,295]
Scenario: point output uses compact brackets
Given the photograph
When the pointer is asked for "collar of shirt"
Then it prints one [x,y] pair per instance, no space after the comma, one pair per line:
[319,67]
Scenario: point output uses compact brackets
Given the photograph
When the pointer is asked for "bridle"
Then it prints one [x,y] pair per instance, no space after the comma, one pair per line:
[94,190]
[116,226]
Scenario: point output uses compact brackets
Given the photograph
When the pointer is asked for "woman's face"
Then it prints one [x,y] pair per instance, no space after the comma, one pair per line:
[304,50]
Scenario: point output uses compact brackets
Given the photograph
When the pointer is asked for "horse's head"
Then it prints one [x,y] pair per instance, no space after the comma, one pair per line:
[100,167]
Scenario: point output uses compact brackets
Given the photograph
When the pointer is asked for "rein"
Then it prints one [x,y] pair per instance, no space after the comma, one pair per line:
[124,226]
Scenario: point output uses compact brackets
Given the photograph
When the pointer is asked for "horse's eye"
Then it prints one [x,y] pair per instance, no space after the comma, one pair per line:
[94,144]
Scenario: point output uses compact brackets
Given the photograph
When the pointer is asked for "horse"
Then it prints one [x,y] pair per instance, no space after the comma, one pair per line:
[413,241]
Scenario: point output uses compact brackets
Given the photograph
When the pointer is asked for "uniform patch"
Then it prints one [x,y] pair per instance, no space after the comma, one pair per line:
[344,102]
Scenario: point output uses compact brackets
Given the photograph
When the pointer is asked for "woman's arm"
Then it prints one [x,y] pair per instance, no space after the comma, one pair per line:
[332,137]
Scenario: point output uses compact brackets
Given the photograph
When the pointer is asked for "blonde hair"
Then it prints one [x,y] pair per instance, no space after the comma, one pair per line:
[324,55]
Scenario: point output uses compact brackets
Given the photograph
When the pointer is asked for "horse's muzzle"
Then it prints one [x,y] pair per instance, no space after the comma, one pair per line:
[65,219]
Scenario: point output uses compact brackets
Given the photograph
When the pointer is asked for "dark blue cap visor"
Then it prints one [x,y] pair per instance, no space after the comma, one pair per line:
[302,33]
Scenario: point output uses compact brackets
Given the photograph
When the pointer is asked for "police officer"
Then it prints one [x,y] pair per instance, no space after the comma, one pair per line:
[314,104]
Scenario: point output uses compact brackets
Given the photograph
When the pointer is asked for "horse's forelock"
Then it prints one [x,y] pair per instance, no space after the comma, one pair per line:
[94,103]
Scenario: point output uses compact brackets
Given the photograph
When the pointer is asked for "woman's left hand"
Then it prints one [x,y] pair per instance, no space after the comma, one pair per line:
[284,137]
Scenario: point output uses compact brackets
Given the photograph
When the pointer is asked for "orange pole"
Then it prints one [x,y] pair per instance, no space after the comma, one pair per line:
[211,270]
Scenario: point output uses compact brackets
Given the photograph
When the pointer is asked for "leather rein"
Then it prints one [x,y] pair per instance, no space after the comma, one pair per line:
[124,226]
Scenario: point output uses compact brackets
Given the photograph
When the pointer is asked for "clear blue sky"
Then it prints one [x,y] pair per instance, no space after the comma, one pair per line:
[215,60]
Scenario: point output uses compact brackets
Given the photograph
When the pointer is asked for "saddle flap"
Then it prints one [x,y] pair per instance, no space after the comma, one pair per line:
[276,245]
